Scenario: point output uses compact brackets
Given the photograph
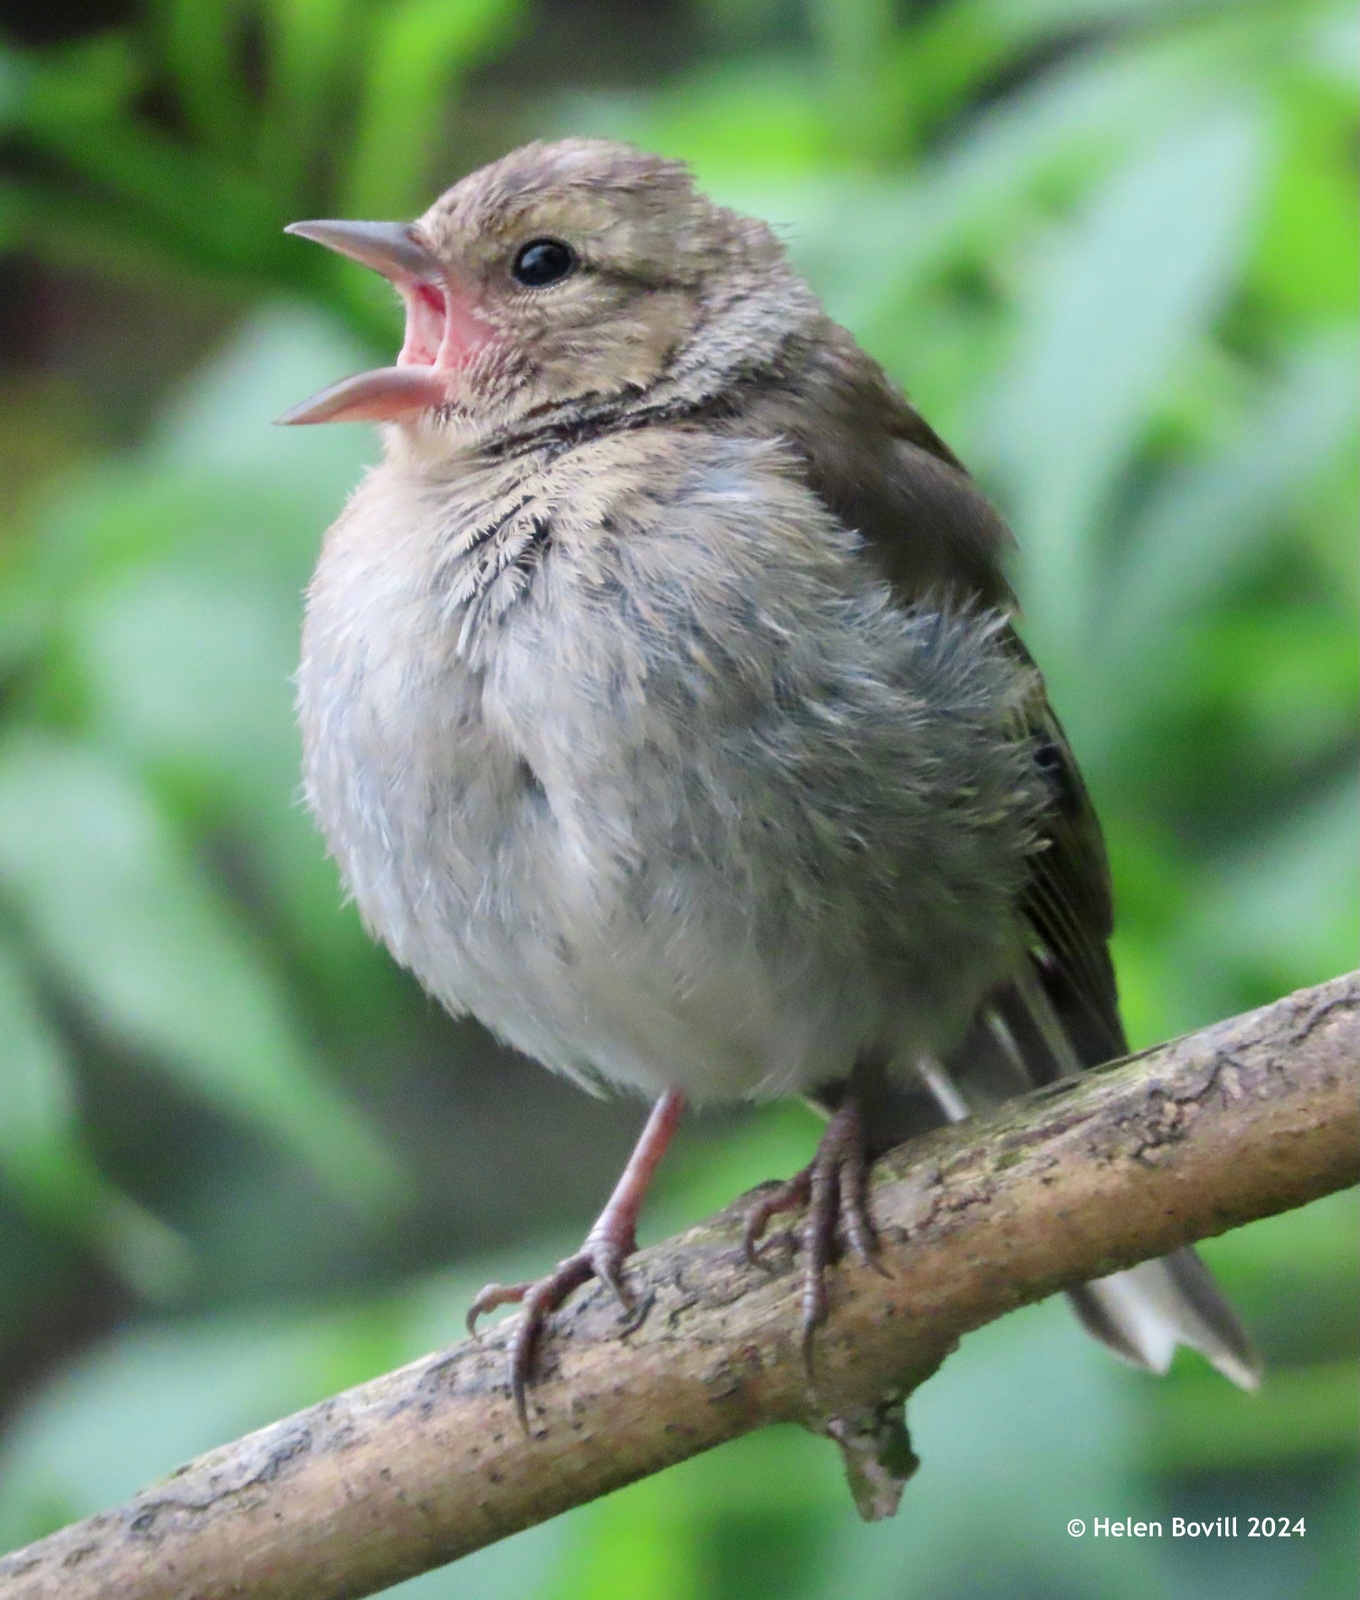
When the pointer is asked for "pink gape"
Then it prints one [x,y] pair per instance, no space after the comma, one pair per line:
[443,330]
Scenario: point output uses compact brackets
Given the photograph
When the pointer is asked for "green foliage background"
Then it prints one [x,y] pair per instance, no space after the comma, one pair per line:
[1110,247]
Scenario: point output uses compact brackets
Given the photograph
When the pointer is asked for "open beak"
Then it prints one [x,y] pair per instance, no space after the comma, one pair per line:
[443,329]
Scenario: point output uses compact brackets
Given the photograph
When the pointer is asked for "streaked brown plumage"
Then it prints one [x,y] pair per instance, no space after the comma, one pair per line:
[662,705]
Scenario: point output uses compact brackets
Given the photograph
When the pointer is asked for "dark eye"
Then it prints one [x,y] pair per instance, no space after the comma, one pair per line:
[543,261]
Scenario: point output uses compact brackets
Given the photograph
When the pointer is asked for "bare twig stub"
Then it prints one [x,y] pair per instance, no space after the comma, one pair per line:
[1244,1119]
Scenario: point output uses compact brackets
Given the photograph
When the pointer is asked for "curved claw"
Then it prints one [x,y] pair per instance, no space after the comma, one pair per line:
[787,1196]
[834,1188]
[600,1258]
[539,1301]
[493,1295]
[608,1245]
[856,1223]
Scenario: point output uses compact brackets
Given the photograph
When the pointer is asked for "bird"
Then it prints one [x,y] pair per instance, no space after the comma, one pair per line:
[663,707]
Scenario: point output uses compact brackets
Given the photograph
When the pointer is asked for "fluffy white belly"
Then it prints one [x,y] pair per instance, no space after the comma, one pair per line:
[506,901]
[656,816]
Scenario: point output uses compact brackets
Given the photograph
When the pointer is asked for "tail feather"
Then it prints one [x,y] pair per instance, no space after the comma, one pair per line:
[1144,1313]
[1019,1040]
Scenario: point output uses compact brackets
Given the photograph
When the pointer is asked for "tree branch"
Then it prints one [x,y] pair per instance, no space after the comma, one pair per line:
[1246,1118]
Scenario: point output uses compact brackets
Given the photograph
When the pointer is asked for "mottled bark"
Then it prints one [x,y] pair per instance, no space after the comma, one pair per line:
[1244,1119]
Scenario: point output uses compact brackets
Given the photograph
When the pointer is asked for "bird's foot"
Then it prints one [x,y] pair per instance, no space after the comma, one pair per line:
[834,1189]
[602,1256]
[608,1245]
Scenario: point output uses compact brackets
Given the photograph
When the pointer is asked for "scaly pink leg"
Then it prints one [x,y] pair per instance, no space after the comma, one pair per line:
[607,1246]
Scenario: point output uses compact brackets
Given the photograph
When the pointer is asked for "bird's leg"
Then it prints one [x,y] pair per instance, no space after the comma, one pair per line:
[834,1188]
[607,1246]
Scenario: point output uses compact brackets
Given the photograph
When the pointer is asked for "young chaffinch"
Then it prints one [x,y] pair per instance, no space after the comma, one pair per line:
[662,708]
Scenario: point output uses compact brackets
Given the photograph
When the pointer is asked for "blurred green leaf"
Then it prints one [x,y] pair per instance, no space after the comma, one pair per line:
[1200,526]
[223,420]
[42,1154]
[857,38]
[159,962]
[418,51]
[1313,1246]
[1108,311]
[89,80]
[1302,1412]
[1308,258]
[312,57]
[634,1545]
[163,193]
[1280,911]
[1204,520]
[747,120]
[204,43]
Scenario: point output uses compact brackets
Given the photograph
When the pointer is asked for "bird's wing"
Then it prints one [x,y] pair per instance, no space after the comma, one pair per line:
[1068,904]
[885,473]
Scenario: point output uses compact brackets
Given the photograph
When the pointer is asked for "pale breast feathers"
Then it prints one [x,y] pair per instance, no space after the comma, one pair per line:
[685,780]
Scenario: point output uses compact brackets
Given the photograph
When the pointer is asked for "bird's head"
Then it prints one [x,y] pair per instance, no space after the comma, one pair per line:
[564,281]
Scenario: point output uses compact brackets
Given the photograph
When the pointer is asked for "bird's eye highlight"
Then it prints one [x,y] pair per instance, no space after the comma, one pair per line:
[541,262]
